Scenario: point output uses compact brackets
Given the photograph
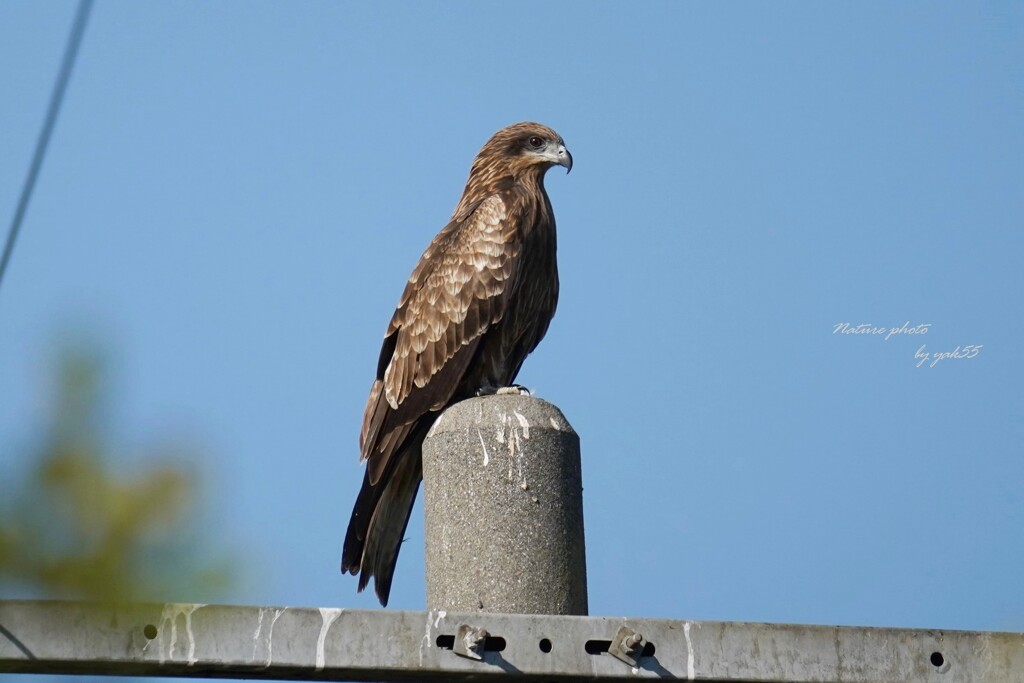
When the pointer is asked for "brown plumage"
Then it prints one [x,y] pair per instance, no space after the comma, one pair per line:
[477,303]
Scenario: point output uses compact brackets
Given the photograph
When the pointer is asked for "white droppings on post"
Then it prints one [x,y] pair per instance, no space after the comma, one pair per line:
[524,423]
[328,615]
[270,634]
[510,441]
[425,641]
[169,624]
[265,639]
[519,436]
[189,611]
[690,674]
[509,434]
[256,636]
[487,458]
[441,614]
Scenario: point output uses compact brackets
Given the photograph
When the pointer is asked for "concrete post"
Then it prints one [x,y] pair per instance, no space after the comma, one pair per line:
[504,509]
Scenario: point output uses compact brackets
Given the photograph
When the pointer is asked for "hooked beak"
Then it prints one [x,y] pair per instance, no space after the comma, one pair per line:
[564,158]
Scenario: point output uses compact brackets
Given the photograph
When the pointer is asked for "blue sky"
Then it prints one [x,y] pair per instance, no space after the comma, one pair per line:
[236,192]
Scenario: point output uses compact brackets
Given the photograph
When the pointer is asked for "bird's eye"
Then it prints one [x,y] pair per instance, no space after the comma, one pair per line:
[536,142]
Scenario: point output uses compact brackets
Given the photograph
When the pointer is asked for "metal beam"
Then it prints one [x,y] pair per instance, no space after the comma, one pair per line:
[330,643]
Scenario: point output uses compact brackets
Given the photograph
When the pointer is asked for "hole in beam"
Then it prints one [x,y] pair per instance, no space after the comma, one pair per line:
[149,631]
[937,659]
[596,647]
[492,644]
[545,645]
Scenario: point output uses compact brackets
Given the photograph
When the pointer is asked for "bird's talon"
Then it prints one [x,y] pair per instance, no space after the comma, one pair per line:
[514,390]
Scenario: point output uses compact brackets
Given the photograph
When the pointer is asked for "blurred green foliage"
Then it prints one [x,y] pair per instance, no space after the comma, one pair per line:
[75,527]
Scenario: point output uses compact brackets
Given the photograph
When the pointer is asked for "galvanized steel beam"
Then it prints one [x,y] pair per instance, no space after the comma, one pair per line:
[331,643]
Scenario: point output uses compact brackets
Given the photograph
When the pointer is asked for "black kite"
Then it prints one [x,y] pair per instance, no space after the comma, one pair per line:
[478,302]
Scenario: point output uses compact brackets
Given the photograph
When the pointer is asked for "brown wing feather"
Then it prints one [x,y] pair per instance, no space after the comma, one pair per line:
[455,293]
[458,290]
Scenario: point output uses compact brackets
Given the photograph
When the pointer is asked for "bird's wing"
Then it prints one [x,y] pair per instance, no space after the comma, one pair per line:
[459,289]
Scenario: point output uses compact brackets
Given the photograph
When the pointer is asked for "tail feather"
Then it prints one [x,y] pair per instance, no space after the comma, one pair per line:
[388,524]
[355,537]
[379,519]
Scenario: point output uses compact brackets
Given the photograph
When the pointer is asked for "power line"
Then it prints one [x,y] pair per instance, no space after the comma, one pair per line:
[56,97]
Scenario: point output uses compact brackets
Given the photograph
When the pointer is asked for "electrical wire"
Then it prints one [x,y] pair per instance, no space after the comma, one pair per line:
[56,97]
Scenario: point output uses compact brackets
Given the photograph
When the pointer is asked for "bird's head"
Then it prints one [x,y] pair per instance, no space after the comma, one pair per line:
[524,148]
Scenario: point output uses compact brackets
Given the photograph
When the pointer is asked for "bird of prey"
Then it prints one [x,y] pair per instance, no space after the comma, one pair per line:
[477,303]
